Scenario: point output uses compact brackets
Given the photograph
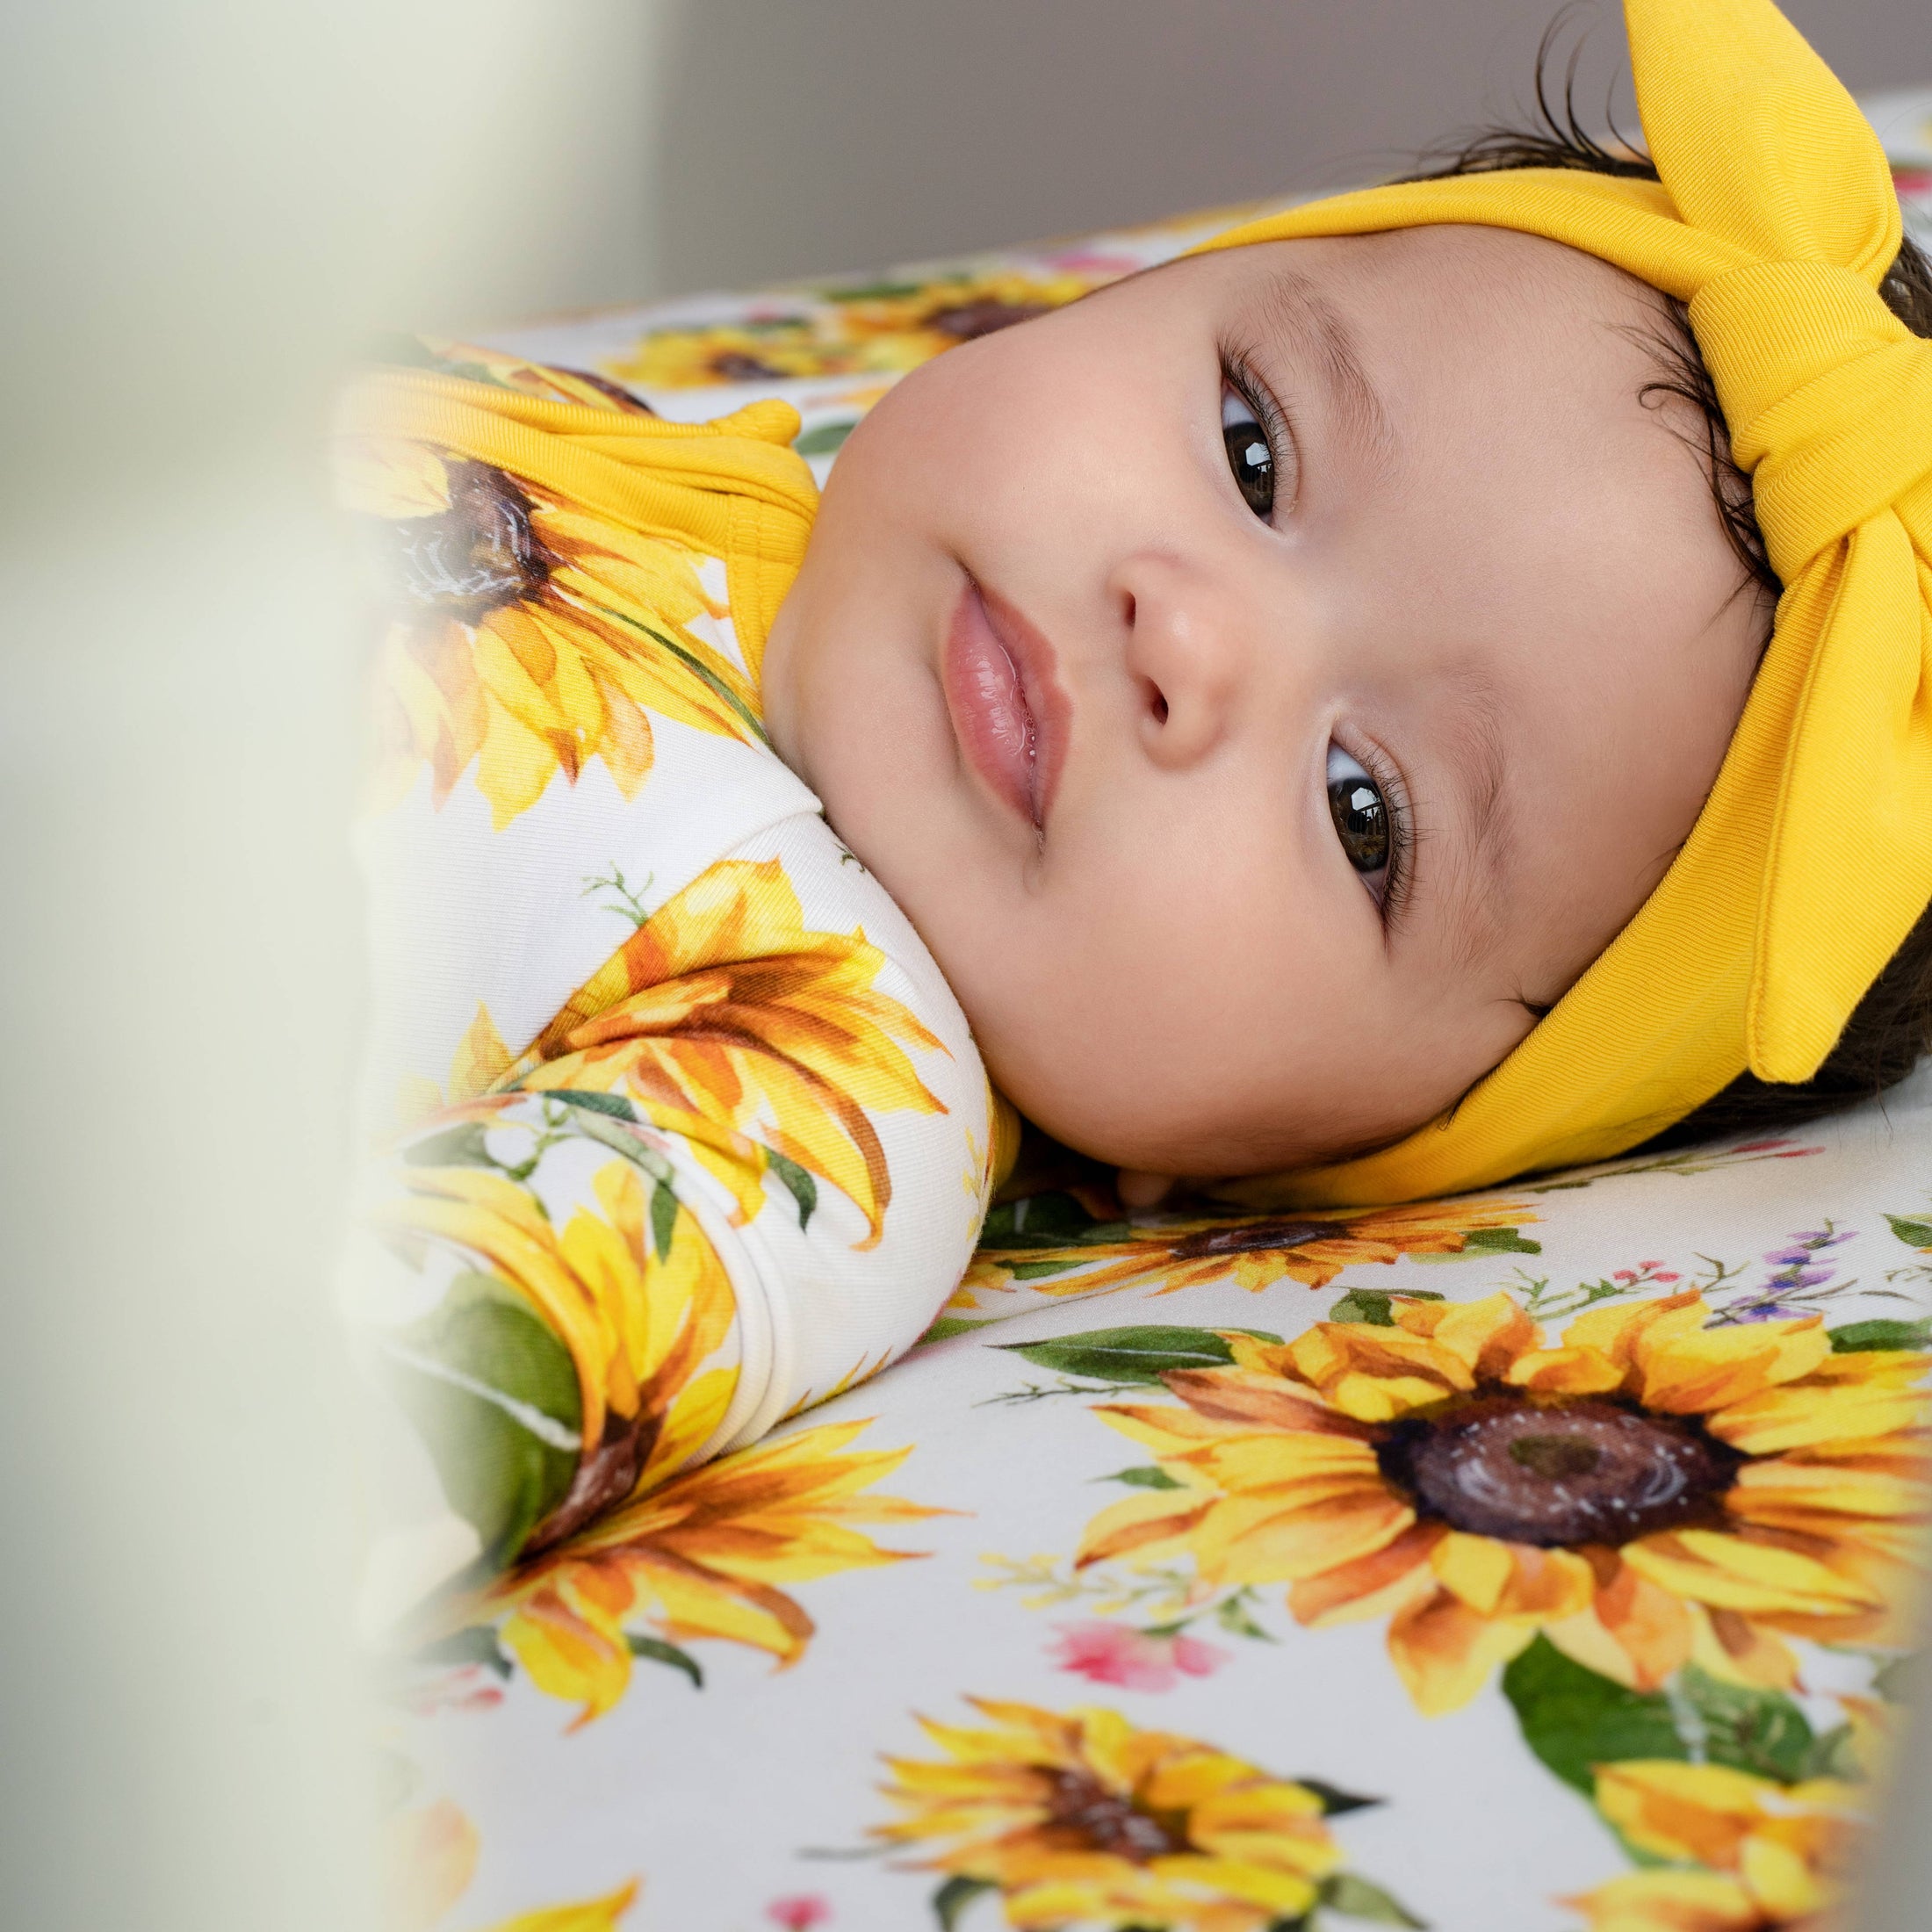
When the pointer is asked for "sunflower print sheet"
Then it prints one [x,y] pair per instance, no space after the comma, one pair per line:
[1541,1561]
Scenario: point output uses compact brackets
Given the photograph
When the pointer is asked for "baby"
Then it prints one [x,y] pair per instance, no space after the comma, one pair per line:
[1275,696]
[1268,684]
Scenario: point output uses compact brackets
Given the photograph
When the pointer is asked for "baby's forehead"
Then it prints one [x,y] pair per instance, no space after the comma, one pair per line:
[1484,309]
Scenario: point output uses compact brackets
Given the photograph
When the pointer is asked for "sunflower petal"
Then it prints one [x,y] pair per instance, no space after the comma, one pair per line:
[1445,1652]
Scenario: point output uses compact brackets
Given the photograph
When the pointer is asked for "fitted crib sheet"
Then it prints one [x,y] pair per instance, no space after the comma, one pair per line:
[1535,1559]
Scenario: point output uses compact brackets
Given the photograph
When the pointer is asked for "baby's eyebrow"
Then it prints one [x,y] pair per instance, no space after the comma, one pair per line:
[1301,309]
[1468,726]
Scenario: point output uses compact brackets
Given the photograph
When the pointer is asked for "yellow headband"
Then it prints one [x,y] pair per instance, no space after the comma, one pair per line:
[1775,220]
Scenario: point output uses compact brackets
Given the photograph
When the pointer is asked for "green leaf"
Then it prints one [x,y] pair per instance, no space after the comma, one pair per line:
[1138,1354]
[950,1325]
[872,291]
[1750,1729]
[459,1146]
[1039,1271]
[659,1651]
[799,1183]
[823,438]
[477,1645]
[664,1218]
[594,1127]
[1573,1718]
[1353,1895]
[1049,1220]
[1482,1241]
[1232,1615]
[1147,1475]
[1915,1234]
[1834,1755]
[495,1397]
[955,1895]
[1335,1801]
[1894,1681]
[1374,1305]
[613,1104]
[1499,1240]
[1862,1337]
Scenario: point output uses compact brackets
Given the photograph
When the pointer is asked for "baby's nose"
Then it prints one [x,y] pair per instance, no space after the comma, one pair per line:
[1184,655]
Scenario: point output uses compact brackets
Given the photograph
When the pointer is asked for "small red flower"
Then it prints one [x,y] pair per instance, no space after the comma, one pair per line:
[1117,1654]
[799,1912]
[463,1688]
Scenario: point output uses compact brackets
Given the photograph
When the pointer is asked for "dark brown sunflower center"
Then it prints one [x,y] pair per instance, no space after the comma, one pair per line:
[1094,1819]
[966,322]
[735,365]
[1250,1238]
[478,555]
[1562,1474]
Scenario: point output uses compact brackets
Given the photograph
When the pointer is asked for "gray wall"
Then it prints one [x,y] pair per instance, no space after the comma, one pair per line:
[802,136]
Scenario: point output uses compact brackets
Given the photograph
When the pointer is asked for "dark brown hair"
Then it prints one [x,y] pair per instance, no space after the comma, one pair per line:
[1892,1026]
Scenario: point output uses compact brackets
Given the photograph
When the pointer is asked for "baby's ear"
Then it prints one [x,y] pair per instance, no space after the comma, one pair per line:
[1139,1192]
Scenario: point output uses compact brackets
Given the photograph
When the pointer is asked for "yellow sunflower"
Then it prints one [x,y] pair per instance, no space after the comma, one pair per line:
[528,634]
[589,1915]
[633,1544]
[777,349]
[1079,1817]
[904,327]
[431,1857]
[547,381]
[1648,1487]
[726,1018]
[699,1557]
[1745,1854]
[640,1326]
[882,330]
[1187,1253]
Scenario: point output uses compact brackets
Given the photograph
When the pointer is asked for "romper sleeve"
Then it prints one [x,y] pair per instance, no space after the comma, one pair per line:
[676,1128]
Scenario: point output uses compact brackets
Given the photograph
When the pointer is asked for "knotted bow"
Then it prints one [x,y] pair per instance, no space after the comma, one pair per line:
[1775,220]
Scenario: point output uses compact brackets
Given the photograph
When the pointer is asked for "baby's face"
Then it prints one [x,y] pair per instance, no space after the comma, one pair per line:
[1267,682]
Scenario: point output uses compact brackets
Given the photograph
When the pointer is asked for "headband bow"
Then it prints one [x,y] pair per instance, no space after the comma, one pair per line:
[1775,220]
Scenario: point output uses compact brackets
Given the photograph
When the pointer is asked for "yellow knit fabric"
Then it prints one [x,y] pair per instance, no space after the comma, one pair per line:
[1775,220]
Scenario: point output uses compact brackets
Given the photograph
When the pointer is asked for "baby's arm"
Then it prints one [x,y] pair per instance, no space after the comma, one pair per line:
[681,1131]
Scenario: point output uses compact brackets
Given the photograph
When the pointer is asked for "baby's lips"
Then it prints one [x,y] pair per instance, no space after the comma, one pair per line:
[988,695]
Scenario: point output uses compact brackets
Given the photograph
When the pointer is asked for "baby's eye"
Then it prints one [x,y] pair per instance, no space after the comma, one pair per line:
[1360,813]
[1248,456]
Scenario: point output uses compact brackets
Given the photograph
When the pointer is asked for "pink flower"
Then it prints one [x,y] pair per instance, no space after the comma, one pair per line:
[799,1913]
[1134,1660]
[463,1689]
[1667,1278]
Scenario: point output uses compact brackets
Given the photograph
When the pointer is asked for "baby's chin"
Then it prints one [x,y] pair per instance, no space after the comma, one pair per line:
[1145,1134]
